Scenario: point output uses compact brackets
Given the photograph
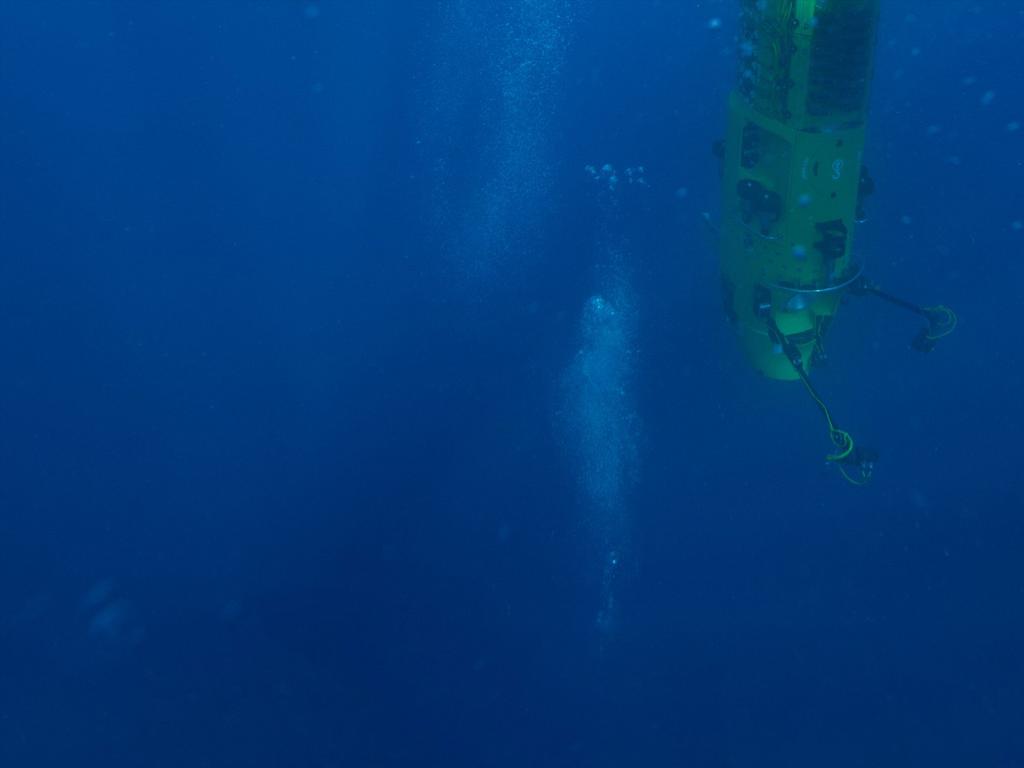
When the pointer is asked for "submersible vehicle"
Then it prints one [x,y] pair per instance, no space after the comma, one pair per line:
[793,190]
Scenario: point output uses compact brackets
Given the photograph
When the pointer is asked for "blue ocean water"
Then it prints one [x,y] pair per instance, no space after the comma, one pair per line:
[367,398]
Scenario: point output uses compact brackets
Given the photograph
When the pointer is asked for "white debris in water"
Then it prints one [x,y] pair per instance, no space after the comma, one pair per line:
[110,619]
[987,98]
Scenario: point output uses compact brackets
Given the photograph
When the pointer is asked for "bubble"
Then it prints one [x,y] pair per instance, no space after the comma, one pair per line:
[503,62]
[635,175]
[598,422]
[987,98]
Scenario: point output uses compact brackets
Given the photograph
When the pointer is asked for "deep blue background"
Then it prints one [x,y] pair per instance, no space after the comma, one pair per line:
[251,414]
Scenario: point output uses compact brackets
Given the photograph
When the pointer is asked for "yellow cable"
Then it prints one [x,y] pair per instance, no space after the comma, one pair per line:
[853,480]
[840,438]
[951,317]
